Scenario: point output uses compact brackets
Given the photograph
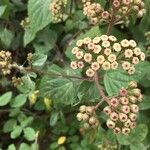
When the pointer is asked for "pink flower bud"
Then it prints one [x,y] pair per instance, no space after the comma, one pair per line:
[114,102]
[125,109]
[105,15]
[123,92]
[116,3]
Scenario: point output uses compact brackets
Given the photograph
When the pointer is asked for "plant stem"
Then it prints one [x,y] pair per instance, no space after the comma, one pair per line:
[100,90]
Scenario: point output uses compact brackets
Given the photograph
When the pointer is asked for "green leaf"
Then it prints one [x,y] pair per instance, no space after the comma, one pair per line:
[137,146]
[54,118]
[88,92]
[26,122]
[19,100]
[145,104]
[28,36]
[29,133]
[6,37]
[2,10]
[24,146]
[45,41]
[40,17]
[5,98]
[16,132]
[114,80]
[11,147]
[137,135]
[9,125]
[38,59]
[60,89]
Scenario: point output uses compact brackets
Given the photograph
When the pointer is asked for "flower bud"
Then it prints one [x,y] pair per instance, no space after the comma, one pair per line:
[136,92]
[126,131]
[133,125]
[140,98]
[123,92]
[124,100]
[92,120]
[107,110]
[114,116]
[110,124]
[132,84]
[114,102]
[79,116]
[89,110]
[82,109]
[127,123]
[134,108]
[132,116]
[85,117]
[117,130]
[125,109]
[123,117]
[133,99]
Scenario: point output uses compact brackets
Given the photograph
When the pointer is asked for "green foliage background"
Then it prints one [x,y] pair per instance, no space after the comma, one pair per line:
[34,124]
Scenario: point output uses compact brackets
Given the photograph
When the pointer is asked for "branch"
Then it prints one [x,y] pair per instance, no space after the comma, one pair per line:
[100,90]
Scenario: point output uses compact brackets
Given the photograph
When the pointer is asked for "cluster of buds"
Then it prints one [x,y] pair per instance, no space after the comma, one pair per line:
[94,12]
[106,53]
[25,23]
[5,62]
[57,10]
[125,8]
[123,109]
[122,8]
[88,116]
[16,81]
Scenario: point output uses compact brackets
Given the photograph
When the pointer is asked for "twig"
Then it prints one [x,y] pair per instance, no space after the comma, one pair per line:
[100,90]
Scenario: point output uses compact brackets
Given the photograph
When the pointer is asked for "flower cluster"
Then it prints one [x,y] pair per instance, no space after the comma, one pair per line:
[5,62]
[57,9]
[25,23]
[122,8]
[88,116]
[94,12]
[106,53]
[123,109]
[16,81]
[128,7]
